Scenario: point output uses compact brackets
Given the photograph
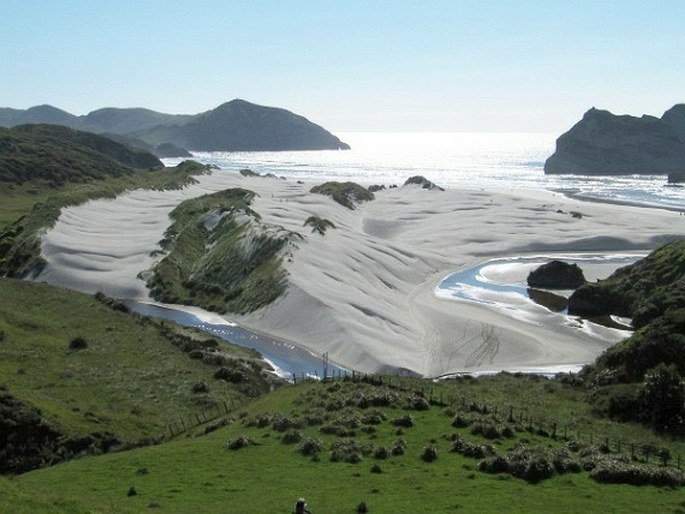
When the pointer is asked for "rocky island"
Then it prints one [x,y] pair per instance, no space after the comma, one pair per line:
[606,144]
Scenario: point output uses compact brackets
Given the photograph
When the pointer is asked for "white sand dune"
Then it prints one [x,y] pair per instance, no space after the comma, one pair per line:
[364,292]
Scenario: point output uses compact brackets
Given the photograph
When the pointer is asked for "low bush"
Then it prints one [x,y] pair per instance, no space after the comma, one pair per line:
[291,437]
[476,451]
[310,447]
[346,450]
[614,472]
[530,464]
[399,447]
[78,343]
[216,425]
[403,421]
[200,387]
[418,403]
[239,442]
[461,420]
[429,454]
[380,452]
[492,431]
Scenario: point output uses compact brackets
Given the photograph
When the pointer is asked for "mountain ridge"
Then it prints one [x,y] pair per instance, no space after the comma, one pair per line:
[237,125]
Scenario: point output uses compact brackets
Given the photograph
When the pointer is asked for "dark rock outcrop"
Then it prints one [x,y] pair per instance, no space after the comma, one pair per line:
[605,144]
[418,180]
[234,126]
[556,275]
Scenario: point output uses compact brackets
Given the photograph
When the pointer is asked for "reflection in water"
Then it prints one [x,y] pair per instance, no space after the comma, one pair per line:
[287,358]
[501,283]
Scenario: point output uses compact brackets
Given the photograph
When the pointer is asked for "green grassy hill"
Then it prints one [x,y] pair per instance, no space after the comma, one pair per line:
[59,154]
[76,370]
[342,443]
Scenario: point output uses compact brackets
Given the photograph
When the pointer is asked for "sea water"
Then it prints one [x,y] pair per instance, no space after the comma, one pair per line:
[511,161]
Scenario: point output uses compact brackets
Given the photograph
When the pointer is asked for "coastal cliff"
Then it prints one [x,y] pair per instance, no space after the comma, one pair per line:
[606,144]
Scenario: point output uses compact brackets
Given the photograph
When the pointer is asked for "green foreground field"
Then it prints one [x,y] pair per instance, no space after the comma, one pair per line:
[199,473]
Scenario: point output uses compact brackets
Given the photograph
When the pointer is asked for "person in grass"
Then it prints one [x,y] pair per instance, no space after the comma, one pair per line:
[301,507]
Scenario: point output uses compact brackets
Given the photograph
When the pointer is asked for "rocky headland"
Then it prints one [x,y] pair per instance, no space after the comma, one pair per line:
[606,144]
[233,126]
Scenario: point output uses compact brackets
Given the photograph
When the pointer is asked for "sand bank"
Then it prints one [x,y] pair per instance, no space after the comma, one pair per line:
[365,291]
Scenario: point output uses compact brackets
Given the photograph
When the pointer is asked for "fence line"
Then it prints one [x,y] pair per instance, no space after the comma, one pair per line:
[539,425]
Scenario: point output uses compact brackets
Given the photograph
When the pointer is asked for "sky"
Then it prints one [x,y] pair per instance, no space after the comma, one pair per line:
[352,65]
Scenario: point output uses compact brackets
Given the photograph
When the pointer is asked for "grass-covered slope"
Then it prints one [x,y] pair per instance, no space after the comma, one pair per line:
[39,206]
[59,155]
[641,378]
[220,255]
[342,444]
[72,365]
[643,291]
[652,292]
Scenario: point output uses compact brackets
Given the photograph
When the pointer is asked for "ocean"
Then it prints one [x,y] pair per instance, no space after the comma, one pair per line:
[511,161]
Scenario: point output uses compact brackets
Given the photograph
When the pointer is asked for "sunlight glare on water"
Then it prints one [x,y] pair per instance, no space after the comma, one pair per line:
[452,160]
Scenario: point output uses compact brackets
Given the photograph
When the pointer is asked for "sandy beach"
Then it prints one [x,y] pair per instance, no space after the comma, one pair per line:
[365,291]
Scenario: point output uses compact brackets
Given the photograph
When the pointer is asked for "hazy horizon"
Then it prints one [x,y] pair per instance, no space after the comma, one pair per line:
[443,66]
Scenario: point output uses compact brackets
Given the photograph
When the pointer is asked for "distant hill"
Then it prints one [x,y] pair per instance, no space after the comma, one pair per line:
[605,144]
[59,154]
[234,126]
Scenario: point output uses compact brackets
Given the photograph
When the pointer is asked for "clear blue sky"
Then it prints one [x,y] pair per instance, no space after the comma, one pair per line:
[526,65]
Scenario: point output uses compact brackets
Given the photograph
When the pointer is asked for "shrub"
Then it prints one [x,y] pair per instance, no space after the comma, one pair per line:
[200,387]
[373,418]
[229,374]
[310,446]
[131,491]
[418,403]
[476,451]
[399,447]
[461,420]
[346,451]
[381,452]
[530,464]
[404,421]
[492,431]
[281,423]
[291,437]
[362,508]
[613,472]
[78,343]
[319,225]
[216,425]
[376,469]
[238,443]
[430,453]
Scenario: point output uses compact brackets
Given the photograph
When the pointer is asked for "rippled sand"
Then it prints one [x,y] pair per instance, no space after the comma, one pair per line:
[365,292]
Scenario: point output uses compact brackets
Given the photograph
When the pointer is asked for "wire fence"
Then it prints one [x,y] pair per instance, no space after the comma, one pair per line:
[522,416]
